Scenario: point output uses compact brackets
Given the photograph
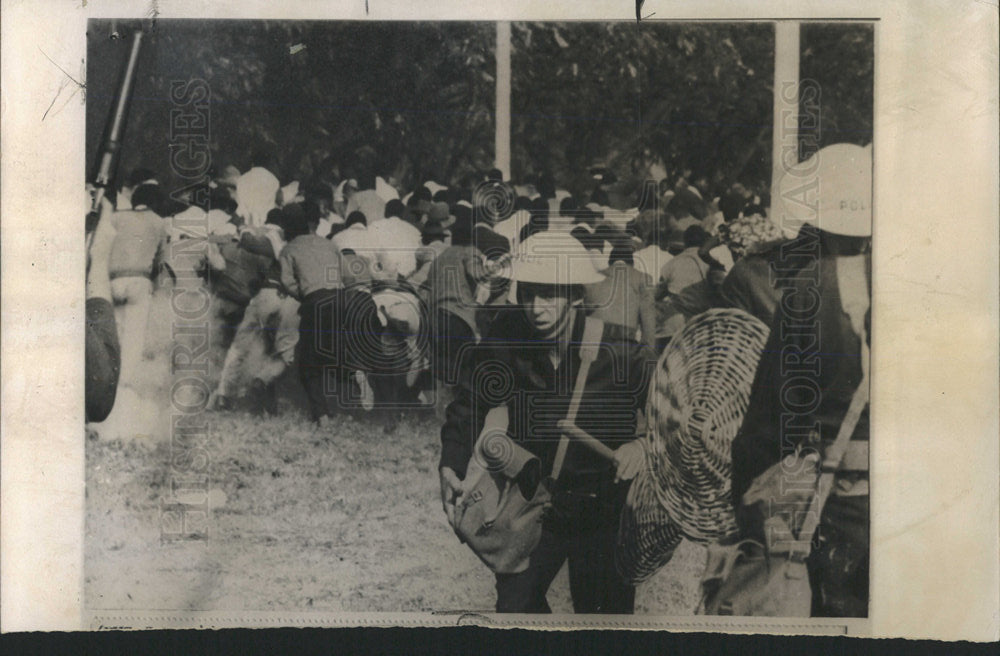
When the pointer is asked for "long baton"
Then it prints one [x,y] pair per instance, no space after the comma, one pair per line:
[586,439]
[592,331]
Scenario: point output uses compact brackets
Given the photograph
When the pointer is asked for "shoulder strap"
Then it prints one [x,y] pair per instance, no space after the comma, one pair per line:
[851,279]
[593,330]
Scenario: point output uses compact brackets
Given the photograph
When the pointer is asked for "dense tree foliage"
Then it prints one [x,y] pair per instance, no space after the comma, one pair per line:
[679,96]
[840,58]
[692,96]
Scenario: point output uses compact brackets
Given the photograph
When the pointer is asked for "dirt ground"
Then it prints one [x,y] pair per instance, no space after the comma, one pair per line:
[302,519]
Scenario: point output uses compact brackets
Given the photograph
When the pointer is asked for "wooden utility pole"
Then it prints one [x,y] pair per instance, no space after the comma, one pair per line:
[785,144]
[502,114]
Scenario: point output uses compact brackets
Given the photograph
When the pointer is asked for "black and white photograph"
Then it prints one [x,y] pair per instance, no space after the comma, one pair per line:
[668,316]
[484,318]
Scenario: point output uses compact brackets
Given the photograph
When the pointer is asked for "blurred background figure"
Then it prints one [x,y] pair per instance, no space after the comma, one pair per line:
[264,344]
[624,299]
[310,273]
[139,247]
[257,190]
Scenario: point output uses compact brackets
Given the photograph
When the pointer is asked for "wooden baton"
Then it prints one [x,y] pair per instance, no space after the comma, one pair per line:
[585,438]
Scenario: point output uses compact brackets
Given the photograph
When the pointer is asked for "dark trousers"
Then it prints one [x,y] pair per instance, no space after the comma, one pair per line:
[582,529]
[838,563]
[339,333]
[103,359]
[451,346]
[319,351]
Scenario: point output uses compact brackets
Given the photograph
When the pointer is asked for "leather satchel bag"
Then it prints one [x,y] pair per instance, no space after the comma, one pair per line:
[751,578]
[499,515]
[748,578]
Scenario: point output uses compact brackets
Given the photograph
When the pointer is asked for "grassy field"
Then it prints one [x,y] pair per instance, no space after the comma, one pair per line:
[303,519]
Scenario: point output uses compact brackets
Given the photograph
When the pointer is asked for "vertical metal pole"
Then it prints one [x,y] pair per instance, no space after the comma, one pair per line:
[785,145]
[503,99]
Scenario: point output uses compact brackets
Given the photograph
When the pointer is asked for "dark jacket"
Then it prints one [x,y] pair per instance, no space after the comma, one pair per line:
[749,286]
[258,244]
[243,274]
[452,281]
[808,373]
[510,367]
[492,244]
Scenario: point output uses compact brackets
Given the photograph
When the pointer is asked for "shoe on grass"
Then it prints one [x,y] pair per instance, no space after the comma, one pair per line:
[219,402]
[271,399]
[256,396]
[367,395]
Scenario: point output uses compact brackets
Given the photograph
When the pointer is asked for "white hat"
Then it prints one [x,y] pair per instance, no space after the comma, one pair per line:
[290,193]
[338,192]
[191,215]
[434,187]
[553,257]
[219,223]
[832,190]
[385,190]
[229,176]
[256,192]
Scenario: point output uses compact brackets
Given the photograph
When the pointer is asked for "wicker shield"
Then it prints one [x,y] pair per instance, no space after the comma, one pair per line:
[697,400]
[647,536]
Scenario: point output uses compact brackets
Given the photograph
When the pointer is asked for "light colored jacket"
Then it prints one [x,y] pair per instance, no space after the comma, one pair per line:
[139,243]
[310,263]
[624,298]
